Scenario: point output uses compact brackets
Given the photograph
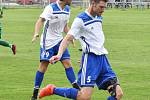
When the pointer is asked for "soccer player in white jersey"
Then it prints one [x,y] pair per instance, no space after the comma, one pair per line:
[95,68]
[54,18]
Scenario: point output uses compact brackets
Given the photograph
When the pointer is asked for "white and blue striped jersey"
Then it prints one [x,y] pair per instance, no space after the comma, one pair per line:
[56,19]
[88,30]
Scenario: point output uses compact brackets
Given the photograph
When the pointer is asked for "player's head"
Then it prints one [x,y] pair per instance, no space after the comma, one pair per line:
[67,2]
[98,6]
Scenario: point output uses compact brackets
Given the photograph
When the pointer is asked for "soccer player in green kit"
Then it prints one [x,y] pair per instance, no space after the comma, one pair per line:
[3,42]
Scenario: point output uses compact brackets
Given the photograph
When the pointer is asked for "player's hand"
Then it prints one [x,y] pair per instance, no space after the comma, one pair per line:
[54,59]
[35,37]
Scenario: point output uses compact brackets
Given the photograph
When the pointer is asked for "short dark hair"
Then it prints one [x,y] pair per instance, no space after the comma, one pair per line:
[97,1]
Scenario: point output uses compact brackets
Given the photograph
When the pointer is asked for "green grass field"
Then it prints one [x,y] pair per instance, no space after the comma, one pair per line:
[127,40]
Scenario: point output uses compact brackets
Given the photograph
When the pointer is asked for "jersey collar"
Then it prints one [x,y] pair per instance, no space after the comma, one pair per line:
[57,2]
[89,14]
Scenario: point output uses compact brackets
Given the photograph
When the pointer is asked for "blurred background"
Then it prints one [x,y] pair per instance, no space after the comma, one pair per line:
[81,3]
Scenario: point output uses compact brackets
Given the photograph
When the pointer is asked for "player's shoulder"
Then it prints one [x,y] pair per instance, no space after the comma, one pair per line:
[84,16]
[54,6]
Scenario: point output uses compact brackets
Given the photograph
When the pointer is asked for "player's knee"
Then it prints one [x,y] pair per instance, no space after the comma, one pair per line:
[66,63]
[43,67]
[119,95]
[119,92]
[114,88]
[85,98]
[84,95]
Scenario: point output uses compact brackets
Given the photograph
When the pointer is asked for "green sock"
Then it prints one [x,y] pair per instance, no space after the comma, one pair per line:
[5,43]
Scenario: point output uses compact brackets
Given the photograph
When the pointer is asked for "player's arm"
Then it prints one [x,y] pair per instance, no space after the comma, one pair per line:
[74,33]
[37,28]
[66,30]
[64,44]
[39,24]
